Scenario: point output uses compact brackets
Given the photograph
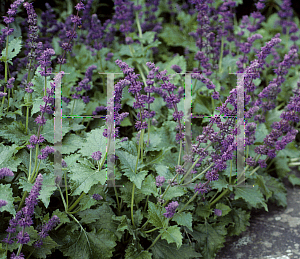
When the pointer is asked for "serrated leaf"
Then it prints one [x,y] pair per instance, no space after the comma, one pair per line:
[203,211]
[294,180]
[149,186]
[62,216]
[128,163]
[163,250]
[14,132]
[48,187]
[48,130]
[71,143]
[89,216]
[48,245]
[172,235]
[6,194]
[7,152]
[252,196]
[155,215]
[84,178]
[210,238]
[260,181]
[225,209]
[240,219]
[36,105]
[95,141]
[103,243]
[174,191]
[184,219]
[14,48]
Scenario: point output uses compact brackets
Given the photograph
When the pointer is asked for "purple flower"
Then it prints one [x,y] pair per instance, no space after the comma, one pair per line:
[46,228]
[160,181]
[3,203]
[109,56]
[79,6]
[180,169]
[45,152]
[63,163]
[97,155]
[176,68]
[97,197]
[201,187]
[23,238]
[5,172]
[14,256]
[171,209]
[218,212]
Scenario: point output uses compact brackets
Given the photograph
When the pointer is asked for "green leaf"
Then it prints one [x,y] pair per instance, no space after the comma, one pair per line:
[126,193]
[184,219]
[225,209]
[261,182]
[149,186]
[48,245]
[147,37]
[14,132]
[14,48]
[203,211]
[281,164]
[103,243]
[6,152]
[95,141]
[294,180]
[210,238]
[62,216]
[79,107]
[36,105]
[278,190]
[261,132]
[90,215]
[84,178]
[155,215]
[252,196]
[239,221]
[128,163]
[71,143]
[48,130]
[134,251]
[163,250]
[172,235]
[6,194]
[48,187]
[174,191]
[105,220]
[177,60]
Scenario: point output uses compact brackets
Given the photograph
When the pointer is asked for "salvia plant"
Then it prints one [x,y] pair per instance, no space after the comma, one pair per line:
[135,182]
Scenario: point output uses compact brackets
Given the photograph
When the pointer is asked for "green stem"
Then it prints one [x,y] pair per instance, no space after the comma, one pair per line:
[191,199]
[119,209]
[146,203]
[76,202]
[157,238]
[198,175]
[149,231]
[132,201]
[179,162]
[220,196]
[66,186]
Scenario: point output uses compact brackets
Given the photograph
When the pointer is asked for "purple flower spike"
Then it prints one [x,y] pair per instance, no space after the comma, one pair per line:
[45,229]
[5,172]
[160,181]
[14,256]
[97,155]
[171,209]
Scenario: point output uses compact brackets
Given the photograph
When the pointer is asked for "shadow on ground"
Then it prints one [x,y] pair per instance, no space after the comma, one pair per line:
[271,235]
